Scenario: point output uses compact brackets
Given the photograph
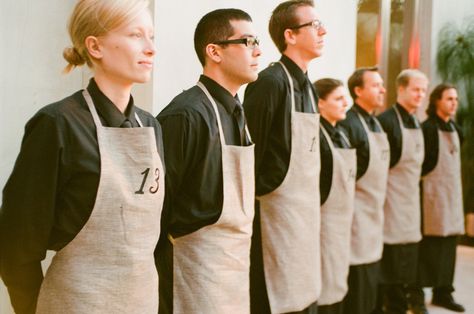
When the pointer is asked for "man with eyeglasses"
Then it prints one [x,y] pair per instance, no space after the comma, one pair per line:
[203,254]
[283,120]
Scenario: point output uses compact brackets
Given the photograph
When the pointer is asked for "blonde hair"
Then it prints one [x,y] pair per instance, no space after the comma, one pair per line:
[403,79]
[96,18]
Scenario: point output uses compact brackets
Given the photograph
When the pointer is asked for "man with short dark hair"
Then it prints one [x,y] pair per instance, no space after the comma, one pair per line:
[402,232]
[209,204]
[366,135]
[281,112]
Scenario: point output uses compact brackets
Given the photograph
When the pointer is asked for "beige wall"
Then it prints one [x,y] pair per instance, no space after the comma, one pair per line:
[33,35]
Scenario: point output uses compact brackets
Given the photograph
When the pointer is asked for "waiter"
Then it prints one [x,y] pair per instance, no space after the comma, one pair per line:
[281,112]
[402,203]
[88,182]
[210,205]
[337,188]
[366,135]
[443,215]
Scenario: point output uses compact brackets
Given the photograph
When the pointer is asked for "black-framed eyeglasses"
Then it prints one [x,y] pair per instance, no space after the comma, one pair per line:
[316,24]
[251,42]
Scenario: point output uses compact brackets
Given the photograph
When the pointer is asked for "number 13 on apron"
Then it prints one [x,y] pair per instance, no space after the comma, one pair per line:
[109,266]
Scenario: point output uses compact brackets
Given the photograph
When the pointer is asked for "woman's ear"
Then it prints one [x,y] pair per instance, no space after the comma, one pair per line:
[93,47]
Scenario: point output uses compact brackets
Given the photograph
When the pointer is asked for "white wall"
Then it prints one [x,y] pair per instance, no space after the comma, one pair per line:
[178,67]
[33,35]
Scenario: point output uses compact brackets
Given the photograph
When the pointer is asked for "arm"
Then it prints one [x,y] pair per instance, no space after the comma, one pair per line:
[430,134]
[390,125]
[262,100]
[355,132]
[28,210]
[182,151]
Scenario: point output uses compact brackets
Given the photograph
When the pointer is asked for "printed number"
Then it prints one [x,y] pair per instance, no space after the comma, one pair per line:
[312,145]
[157,177]
[145,176]
[352,174]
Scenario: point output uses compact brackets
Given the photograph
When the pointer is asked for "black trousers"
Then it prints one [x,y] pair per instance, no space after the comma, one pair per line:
[362,282]
[336,308]
[259,303]
[437,261]
[398,272]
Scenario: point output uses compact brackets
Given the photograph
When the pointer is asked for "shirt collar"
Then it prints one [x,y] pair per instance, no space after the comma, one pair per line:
[219,93]
[295,71]
[106,108]
[407,118]
[329,128]
[362,111]
[443,125]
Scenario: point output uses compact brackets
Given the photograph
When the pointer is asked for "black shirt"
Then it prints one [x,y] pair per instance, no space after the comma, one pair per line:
[430,133]
[194,187]
[325,179]
[391,125]
[52,189]
[267,106]
[358,137]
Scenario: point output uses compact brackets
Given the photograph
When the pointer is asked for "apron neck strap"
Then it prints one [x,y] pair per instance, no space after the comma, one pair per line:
[90,105]
[292,90]
[218,117]
[95,115]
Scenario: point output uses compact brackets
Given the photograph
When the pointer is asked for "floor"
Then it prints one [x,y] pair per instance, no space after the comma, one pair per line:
[463,282]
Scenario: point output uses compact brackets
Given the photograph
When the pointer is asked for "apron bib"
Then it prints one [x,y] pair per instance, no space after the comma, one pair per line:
[336,220]
[443,213]
[290,220]
[109,266]
[402,204]
[367,224]
[211,265]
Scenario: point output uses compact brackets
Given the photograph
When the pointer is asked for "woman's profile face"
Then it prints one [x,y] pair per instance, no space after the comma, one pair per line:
[334,107]
[127,52]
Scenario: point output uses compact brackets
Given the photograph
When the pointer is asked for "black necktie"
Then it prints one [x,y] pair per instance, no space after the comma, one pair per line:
[126,124]
[373,126]
[305,97]
[414,122]
[240,118]
[339,140]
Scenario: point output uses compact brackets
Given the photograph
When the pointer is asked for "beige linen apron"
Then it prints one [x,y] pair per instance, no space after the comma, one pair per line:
[109,266]
[290,220]
[367,224]
[211,265]
[443,213]
[402,208]
[336,220]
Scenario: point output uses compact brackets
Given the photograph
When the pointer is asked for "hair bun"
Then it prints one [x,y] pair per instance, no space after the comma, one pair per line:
[73,57]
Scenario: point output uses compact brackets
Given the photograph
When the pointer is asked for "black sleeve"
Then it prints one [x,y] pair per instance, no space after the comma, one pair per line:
[430,135]
[28,211]
[390,125]
[263,99]
[354,130]
[183,148]
[325,177]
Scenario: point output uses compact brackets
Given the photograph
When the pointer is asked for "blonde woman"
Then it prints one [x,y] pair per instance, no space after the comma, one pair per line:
[88,182]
